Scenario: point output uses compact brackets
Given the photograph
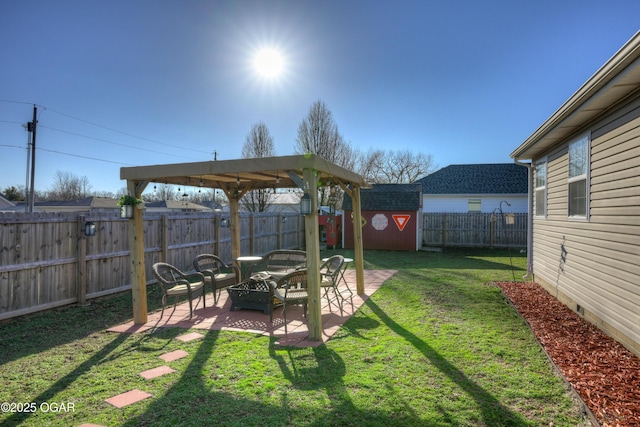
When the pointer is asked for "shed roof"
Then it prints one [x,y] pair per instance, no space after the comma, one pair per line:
[387,197]
[491,178]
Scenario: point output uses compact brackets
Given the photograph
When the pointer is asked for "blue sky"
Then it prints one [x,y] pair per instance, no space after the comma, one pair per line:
[139,82]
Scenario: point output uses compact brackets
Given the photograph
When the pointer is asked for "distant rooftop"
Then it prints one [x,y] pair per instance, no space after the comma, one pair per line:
[491,178]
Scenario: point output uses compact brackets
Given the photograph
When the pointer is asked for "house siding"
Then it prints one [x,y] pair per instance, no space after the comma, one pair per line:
[595,263]
[460,204]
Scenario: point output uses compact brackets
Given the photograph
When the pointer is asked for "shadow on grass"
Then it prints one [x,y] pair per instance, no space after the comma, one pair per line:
[39,332]
[67,380]
[492,411]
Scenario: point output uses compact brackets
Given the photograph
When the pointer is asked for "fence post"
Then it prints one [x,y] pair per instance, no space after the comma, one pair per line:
[279,230]
[81,276]
[492,225]
[252,233]
[216,233]
[444,230]
[165,237]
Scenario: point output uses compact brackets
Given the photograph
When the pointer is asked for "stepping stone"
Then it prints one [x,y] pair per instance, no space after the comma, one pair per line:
[125,399]
[174,355]
[156,372]
[190,337]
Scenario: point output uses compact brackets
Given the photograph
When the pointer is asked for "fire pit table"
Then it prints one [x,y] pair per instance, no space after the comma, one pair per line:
[255,293]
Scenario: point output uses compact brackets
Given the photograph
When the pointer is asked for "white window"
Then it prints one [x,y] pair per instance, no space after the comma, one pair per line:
[578,177]
[474,205]
[541,189]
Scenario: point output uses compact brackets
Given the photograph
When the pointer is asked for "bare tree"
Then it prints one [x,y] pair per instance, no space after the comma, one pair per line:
[394,167]
[369,163]
[318,134]
[67,186]
[258,143]
[158,193]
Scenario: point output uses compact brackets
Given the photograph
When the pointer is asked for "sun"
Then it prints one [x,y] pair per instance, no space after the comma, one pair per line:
[268,63]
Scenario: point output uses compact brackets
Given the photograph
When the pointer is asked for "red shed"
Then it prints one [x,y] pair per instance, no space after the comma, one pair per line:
[392,217]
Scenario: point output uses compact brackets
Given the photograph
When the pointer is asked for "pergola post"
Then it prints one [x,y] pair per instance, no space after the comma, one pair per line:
[136,247]
[312,241]
[234,219]
[357,239]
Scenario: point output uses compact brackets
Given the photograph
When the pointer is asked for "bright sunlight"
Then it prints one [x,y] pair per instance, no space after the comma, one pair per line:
[269,63]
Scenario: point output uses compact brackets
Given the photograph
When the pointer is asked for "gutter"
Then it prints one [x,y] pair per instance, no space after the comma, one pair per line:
[529,167]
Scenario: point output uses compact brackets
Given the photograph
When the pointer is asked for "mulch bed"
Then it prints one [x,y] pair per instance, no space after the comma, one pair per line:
[604,373]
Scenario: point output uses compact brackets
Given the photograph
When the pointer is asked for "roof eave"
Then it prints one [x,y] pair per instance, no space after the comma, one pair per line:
[620,76]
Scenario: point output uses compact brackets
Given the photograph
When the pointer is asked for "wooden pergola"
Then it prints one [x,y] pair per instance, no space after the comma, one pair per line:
[236,178]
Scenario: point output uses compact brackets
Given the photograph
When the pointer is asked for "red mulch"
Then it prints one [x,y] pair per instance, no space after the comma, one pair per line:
[604,373]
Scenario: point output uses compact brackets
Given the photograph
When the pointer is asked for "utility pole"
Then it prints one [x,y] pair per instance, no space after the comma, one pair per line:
[26,184]
[32,128]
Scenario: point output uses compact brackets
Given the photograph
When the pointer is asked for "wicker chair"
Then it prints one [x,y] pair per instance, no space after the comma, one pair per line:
[292,289]
[217,273]
[174,282]
[329,275]
[280,262]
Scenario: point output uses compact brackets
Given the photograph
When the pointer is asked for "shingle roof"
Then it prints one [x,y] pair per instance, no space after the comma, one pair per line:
[89,202]
[492,178]
[387,197]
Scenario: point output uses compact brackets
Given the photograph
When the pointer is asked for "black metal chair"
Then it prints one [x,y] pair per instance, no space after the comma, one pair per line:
[329,278]
[217,273]
[292,289]
[174,282]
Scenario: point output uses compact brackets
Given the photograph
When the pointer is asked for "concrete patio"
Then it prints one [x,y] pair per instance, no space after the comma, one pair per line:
[219,317]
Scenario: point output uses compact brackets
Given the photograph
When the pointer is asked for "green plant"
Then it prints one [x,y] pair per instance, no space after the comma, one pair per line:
[129,200]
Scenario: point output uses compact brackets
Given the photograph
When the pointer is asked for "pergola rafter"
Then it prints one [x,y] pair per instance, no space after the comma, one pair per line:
[235,178]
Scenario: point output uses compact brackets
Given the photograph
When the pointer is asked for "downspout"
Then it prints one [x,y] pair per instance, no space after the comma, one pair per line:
[529,167]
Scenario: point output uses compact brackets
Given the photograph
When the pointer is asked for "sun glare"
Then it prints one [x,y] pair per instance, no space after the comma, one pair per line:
[269,63]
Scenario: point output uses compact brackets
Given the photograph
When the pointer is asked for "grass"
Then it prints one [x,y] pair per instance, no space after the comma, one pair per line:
[434,346]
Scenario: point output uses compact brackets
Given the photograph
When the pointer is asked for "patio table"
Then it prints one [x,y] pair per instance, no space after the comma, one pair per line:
[247,260]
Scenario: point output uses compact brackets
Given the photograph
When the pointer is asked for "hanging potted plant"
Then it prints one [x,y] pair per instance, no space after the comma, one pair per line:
[126,204]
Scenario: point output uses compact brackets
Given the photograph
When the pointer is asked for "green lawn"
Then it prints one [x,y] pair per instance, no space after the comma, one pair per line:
[435,346]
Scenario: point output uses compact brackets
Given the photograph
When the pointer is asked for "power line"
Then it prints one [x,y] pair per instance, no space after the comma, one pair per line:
[114,143]
[104,127]
[85,157]
[122,132]
[69,154]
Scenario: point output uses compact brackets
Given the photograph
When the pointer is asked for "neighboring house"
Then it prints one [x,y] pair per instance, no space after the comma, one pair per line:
[585,240]
[6,204]
[392,217]
[475,188]
[174,206]
[85,205]
[285,202]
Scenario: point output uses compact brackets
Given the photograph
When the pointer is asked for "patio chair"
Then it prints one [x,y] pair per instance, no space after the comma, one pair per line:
[292,289]
[280,262]
[217,273]
[329,276]
[174,282]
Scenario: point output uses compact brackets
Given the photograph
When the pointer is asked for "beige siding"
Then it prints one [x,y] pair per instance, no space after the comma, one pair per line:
[595,263]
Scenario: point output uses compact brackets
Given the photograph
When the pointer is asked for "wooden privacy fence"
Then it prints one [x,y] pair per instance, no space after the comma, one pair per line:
[46,260]
[474,230]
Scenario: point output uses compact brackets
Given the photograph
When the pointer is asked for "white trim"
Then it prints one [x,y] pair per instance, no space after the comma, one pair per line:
[585,176]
